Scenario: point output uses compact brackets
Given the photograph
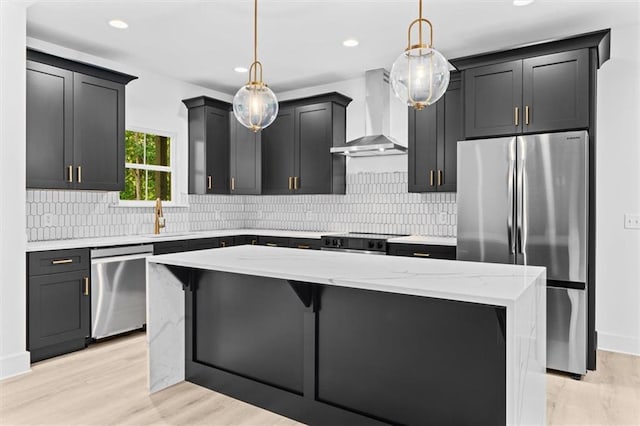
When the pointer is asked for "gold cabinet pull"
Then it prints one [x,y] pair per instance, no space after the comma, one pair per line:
[209,182]
[430,177]
[517,115]
[301,246]
[61,261]
[296,182]
[440,174]
[526,115]
[86,286]
[254,242]
[223,243]
[79,174]
[422,254]
[272,245]
[70,173]
[290,183]
[233,184]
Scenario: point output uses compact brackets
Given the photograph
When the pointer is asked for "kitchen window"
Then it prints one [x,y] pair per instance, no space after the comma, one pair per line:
[148,168]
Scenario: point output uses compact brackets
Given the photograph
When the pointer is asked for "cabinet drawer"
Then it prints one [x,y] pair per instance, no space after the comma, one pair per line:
[423,251]
[274,241]
[203,244]
[167,247]
[246,239]
[226,241]
[55,261]
[305,243]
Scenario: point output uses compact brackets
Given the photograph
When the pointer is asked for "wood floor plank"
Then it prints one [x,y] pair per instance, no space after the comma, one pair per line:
[107,385]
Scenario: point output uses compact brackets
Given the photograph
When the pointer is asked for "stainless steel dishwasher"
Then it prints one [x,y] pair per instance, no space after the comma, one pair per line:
[118,289]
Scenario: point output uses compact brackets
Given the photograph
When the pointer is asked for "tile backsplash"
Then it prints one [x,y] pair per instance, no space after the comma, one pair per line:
[375,202]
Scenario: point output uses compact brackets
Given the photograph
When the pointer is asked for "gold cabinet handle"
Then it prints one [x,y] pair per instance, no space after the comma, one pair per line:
[86,286]
[209,182]
[422,254]
[526,115]
[296,182]
[303,247]
[272,245]
[79,174]
[431,178]
[254,242]
[233,184]
[517,115]
[70,173]
[223,243]
[61,261]
[440,174]
[290,183]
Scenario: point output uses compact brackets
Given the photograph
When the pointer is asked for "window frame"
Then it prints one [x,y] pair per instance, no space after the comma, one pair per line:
[170,169]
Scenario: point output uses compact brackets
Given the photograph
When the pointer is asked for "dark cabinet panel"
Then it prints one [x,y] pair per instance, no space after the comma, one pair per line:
[202,244]
[217,147]
[57,261]
[313,172]
[493,99]
[433,136]
[98,133]
[49,126]
[167,247]
[556,91]
[274,241]
[240,240]
[305,243]
[246,159]
[278,144]
[426,251]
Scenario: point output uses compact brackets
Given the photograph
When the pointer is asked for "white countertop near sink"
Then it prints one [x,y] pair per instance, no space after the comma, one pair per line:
[151,238]
[425,239]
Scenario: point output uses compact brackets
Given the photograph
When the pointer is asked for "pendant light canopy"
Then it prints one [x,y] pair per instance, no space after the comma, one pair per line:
[420,75]
[255,105]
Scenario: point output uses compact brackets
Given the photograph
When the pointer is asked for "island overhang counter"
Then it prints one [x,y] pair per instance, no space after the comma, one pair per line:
[342,338]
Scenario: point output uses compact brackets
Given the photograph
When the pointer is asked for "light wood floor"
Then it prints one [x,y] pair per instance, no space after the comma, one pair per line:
[107,384]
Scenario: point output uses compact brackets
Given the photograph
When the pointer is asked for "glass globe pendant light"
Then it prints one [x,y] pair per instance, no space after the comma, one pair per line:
[420,75]
[255,105]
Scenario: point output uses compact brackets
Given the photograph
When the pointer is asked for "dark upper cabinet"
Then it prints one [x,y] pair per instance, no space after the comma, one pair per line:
[75,124]
[433,136]
[278,153]
[295,151]
[208,145]
[245,159]
[539,94]
[58,302]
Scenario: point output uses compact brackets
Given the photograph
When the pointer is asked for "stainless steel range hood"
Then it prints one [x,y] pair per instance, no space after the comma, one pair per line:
[376,140]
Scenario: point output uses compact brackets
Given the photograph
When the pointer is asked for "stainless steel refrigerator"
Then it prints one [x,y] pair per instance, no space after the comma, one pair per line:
[523,200]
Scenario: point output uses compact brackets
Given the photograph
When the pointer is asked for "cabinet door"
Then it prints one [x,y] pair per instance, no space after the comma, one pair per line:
[313,161]
[493,99]
[245,161]
[203,244]
[217,150]
[278,154]
[556,92]
[49,126]
[98,133]
[58,308]
[423,132]
[450,131]
[167,247]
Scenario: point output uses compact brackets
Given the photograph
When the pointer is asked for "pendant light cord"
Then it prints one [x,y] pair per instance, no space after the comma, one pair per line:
[255,30]
[420,25]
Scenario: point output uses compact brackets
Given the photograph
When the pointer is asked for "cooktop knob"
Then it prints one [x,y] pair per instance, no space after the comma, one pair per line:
[380,245]
[371,244]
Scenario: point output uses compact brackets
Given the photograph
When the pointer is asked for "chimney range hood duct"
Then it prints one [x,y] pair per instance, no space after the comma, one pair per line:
[376,140]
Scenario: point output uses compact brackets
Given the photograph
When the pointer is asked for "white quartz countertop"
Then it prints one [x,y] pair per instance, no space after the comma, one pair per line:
[150,238]
[486,283]
[425,239]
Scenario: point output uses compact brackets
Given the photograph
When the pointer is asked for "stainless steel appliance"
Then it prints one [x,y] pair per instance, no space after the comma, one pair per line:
[118,289]
[523,200]
[354,242]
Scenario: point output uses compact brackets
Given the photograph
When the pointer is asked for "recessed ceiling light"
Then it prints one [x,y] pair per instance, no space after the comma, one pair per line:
[350,42]
[119,24]
[240,69]
[522,2]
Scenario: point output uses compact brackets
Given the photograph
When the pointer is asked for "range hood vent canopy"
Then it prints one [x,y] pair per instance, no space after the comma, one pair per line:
[376,140]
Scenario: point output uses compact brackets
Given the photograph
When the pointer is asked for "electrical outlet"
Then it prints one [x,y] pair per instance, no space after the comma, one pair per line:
[47,219]
[442,218]
[632,221]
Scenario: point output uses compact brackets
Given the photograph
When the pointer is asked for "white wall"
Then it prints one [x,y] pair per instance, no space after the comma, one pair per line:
[14,359]
[618,192]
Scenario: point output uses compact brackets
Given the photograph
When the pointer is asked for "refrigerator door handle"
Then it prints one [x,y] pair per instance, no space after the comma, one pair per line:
[511,182]
[520,169]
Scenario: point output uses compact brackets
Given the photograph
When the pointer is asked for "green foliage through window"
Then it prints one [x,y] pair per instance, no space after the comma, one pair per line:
[147,167]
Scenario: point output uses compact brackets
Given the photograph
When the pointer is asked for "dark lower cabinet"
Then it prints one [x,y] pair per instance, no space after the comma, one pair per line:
[240,240]
[58,302]
[434,133]
[168,247]
[305,243]
[274,241]
[425,251]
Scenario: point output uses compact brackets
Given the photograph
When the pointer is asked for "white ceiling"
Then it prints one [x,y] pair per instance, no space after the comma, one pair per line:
[300,41]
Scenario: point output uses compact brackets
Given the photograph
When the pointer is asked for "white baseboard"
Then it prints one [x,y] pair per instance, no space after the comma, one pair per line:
[15,364]
[622,344]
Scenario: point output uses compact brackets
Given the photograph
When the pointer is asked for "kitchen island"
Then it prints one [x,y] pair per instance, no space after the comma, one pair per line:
[342,338]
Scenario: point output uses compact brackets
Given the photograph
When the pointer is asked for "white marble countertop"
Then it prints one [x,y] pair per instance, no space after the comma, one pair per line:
[150,238]
[425,239]
[486,283]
